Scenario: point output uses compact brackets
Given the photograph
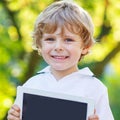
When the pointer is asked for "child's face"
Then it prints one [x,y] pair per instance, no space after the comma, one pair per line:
[62,51]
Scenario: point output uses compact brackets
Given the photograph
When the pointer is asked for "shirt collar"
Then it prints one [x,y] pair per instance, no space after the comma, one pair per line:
[86,71]
[83,71]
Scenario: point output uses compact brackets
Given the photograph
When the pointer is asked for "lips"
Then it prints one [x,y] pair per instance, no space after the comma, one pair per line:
[59,57]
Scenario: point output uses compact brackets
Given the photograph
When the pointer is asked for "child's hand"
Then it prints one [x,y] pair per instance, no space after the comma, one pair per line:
[14,113]
[94,116]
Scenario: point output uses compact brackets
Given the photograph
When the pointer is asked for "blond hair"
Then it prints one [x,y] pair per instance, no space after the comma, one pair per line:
[64,14]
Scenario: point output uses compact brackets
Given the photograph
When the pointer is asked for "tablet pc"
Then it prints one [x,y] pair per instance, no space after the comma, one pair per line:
[44,105]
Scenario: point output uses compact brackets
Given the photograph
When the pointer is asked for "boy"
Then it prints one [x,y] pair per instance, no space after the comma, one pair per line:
[63,34]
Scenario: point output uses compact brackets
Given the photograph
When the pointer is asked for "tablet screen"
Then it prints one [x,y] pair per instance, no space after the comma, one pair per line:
[37,107]
[45,105]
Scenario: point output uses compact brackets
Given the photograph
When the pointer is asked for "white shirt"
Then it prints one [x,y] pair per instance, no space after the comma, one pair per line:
[81,83]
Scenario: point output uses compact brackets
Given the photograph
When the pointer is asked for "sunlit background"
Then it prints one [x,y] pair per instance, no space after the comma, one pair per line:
[18,61]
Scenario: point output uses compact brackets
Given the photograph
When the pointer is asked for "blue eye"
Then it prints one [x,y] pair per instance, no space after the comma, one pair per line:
[50,39]
[69,40]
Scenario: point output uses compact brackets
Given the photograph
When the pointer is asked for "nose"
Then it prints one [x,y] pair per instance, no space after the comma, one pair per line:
[59,45]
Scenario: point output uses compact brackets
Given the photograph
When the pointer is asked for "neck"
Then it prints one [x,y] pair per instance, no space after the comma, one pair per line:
[59,74]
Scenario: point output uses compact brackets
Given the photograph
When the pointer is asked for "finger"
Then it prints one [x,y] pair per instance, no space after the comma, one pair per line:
[14,112]
[94,111]
[16,107]
[11,117]
[93,117]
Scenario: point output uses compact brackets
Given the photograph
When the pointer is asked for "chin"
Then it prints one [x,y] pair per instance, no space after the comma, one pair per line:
[58,68]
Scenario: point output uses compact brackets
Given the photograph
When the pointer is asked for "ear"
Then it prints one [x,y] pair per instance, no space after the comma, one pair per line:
[85,50]
[39,50]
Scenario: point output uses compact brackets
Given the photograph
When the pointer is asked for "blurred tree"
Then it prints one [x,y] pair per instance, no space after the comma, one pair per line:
[19,62]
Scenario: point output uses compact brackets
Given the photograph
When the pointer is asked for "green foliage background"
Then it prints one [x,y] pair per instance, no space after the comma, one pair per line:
[18,61]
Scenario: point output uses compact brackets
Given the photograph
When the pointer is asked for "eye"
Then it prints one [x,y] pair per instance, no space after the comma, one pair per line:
[50,39]
[69,40]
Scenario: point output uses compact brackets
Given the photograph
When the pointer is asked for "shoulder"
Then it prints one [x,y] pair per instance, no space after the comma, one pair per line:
[98,85]
[91,80]
[93,87]
[38,78]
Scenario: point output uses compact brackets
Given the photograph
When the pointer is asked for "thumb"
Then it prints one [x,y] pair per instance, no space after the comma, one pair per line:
[94,111]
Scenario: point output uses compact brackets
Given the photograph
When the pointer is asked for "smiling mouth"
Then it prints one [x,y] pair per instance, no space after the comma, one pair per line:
[59,57]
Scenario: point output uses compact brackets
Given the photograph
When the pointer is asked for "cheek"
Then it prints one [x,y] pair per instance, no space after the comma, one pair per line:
[75,50]
[45,49]
[44,46]
[76,53]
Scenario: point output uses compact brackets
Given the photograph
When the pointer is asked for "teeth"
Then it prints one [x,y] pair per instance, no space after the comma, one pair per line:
[60,57]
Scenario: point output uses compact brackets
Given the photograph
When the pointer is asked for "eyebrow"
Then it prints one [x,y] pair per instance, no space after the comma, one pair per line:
[64,35]
[68,36]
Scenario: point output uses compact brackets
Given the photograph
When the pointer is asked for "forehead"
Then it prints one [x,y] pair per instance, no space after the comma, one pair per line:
[63,32]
